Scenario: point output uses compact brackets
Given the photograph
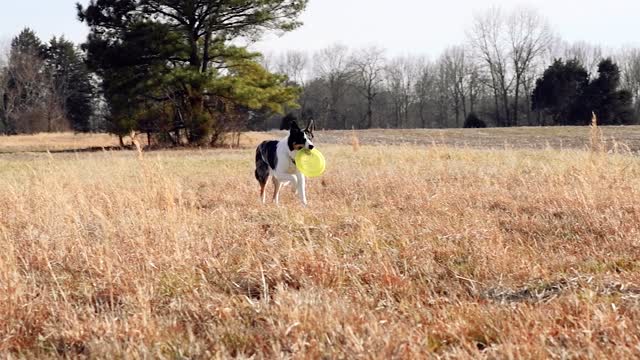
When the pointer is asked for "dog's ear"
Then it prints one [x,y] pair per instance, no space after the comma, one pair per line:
[289,122]
[311,126]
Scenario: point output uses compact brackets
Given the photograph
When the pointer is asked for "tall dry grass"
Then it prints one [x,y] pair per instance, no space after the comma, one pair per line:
[55,142]
[404,252]
[597,144]
[355,142]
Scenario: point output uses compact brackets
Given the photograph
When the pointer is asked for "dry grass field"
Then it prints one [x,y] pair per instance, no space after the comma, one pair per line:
[405,251]
[55,142]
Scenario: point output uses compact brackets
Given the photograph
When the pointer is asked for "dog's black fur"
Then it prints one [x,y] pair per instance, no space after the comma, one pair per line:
[266,158]
[296,135]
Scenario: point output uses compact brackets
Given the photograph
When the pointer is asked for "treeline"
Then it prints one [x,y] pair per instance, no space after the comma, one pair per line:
[173,70]
[46,87]
[511,71]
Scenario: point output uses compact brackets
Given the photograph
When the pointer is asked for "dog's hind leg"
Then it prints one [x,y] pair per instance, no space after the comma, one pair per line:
[263,191]
[277,185]
[262,174]
[263,177]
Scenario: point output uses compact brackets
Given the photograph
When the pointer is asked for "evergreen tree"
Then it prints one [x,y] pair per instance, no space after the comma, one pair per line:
[559,89]
[612,105]
[72,82]
[177,52]
[473,121]
[27,42]
[565,93]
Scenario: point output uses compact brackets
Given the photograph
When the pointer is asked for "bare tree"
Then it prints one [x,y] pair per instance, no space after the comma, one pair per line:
[293,64]
[442,95]
[529,36]
[589,55]
[333,66]
[455,69]
[474,84]
[425,89]
[487,38]
[400,78]
[368,67]
[267,59]
[630,66]
[30,102]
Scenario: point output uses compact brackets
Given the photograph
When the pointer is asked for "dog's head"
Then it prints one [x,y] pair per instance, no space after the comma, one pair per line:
[298,138]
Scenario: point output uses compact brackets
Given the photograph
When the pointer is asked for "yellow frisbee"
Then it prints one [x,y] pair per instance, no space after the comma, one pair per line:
[311,163]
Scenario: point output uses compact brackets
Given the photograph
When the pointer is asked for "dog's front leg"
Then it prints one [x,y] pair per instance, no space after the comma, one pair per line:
[301,189]
[281,179]
[295,184]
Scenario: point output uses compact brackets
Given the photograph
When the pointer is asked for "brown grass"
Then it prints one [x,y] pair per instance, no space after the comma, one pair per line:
[355,142]
[556,137]
[404,252]
[55,142]
[596,139]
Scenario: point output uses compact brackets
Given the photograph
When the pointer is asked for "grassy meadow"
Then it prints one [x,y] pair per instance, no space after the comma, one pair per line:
[407,250]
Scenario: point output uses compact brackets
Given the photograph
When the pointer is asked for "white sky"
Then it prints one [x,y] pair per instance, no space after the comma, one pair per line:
[400,26]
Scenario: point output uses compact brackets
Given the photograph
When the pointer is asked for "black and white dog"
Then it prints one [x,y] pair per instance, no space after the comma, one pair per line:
[276,159]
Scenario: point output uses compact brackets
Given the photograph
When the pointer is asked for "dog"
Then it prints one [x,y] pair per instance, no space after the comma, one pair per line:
[275,159]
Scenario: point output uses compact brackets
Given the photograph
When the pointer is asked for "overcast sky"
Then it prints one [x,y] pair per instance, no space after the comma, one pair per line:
[401,26]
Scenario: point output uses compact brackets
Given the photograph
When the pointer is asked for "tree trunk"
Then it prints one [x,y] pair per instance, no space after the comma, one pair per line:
[205,51]
[505,99]
[515,100]
[200,126]
[194,56]
[369,112]
[463,101]
[496,98]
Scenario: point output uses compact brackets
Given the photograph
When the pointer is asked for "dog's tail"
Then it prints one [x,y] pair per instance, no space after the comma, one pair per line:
[262,167]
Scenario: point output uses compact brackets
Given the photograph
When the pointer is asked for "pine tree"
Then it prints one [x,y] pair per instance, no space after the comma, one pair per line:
[565,93]
[178,53]
[27,42]
[612,105]
[558,90]
[473,121]
[72,82]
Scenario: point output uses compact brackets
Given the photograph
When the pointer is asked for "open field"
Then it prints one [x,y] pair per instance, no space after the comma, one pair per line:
[405,251]
[55,142]
[557,137]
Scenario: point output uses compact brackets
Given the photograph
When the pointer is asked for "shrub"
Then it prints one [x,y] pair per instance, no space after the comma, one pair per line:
[473,121]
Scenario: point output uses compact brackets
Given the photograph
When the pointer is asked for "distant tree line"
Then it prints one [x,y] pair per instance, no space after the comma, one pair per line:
[170,69]
[512,71]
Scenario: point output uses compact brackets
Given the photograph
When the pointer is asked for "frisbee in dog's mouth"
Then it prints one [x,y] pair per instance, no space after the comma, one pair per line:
[311,163]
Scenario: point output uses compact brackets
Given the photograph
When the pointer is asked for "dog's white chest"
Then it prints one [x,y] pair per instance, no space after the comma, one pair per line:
[292,167]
